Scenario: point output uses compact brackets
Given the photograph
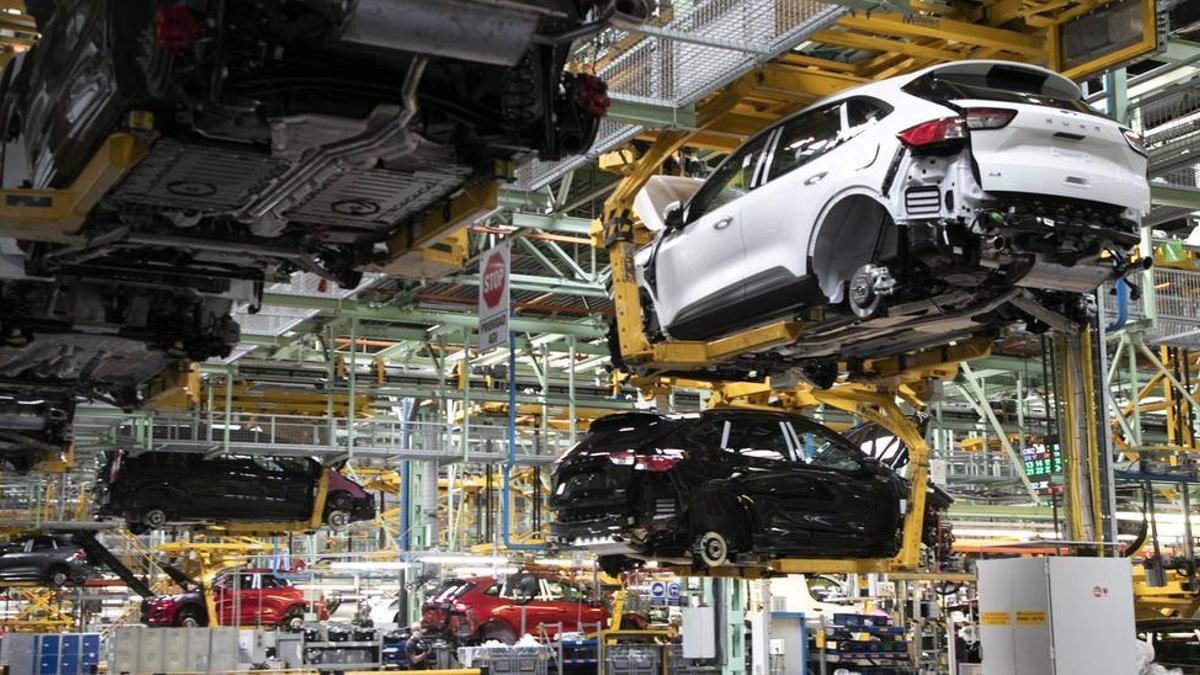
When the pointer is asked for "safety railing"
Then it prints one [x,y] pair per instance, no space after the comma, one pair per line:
[253,433]
[705,45]
[1177,298]
[1170,122]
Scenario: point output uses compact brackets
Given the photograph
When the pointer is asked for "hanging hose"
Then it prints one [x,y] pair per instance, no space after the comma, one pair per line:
[1121,287]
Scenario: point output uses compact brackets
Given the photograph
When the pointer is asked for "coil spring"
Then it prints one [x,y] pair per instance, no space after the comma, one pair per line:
[519,97]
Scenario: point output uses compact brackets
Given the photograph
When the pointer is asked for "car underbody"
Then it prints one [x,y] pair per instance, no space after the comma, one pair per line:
[274,137]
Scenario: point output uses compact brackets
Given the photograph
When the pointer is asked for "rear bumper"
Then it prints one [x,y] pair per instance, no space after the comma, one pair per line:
[157,615]
[601,533]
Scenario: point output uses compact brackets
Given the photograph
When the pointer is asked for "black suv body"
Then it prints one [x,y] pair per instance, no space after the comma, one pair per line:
[156,488]
[727,486]
[48,560]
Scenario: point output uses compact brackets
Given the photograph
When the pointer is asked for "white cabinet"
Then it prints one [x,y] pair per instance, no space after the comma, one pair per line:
[1057,616]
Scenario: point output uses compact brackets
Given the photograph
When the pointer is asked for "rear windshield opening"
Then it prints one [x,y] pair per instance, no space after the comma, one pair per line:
[621,433]
[1007,88]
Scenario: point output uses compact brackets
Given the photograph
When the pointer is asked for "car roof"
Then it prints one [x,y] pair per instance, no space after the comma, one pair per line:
[885,90]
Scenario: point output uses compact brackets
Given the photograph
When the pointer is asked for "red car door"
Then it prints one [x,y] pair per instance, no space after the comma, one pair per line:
[579,611]
[277,595]
[237,599]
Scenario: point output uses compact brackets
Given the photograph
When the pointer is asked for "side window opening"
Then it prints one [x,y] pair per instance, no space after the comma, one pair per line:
[758,439]
[732,179]
[862,113]
[805,138]
[822,448]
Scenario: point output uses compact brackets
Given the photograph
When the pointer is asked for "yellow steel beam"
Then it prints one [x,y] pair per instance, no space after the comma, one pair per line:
[55,215]
[878,43]
[947,29]
[792,81]
[406,249]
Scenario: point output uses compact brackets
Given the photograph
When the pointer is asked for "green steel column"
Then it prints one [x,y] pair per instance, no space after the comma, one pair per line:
[571,387]
[228,405]
[466,397]
[1133,390]
[1117,87]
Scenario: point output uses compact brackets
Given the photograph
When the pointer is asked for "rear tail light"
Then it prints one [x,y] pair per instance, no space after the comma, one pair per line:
[1135,141]
[935,132]
[654,463]
[989,118]
[623,457]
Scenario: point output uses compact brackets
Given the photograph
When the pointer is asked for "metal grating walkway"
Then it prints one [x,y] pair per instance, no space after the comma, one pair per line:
[703,47]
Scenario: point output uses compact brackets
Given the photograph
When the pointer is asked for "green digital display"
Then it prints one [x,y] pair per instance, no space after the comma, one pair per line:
[1042,461]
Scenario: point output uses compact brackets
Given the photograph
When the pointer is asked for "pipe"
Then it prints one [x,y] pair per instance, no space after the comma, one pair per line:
[1122,288]
[506,488]
[347,149]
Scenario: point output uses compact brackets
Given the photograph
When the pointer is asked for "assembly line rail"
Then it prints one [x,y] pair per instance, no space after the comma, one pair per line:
[325,437]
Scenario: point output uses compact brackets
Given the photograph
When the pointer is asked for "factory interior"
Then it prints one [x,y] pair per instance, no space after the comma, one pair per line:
[477,337]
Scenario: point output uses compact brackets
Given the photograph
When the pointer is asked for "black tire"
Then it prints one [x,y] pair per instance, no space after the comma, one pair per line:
[495,630]
[292,619]
[337,510]
[155,519]
[719,528]
[191,616]
[58,576]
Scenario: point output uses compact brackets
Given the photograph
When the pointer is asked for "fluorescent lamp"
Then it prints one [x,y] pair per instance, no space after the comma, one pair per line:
[325,587]
[483,571]
[463,559]
[555,562]
[369,566]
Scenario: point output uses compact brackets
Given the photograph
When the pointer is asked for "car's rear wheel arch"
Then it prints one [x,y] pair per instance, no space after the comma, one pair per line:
[715,507]
[191,615]
[850,232]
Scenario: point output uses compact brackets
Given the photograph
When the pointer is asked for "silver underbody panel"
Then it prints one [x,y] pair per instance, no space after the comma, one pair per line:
[196,180]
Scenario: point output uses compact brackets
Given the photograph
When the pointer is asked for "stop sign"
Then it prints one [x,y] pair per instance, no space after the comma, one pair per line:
[493,280]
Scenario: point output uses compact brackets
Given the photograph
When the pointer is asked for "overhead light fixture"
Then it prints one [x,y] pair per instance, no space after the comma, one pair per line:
[484,571]
[369,565]
[463,559]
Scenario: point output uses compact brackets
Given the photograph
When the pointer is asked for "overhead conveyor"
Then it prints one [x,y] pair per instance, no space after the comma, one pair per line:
[904,43]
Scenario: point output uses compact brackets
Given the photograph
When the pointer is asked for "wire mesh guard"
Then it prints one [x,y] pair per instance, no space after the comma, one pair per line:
[704,46]
[505,660]
[1170,122]
[633,659]
[1177,298]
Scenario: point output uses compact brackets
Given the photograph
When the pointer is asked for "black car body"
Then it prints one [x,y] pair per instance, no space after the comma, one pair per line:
[727,486]
[48,560]
[157,488]
[221,144]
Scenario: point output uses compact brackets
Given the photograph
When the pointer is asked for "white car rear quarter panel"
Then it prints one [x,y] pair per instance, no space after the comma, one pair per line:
[1041,152]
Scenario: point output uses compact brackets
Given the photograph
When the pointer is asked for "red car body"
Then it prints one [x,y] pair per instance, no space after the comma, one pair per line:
[489,608]
[243,598]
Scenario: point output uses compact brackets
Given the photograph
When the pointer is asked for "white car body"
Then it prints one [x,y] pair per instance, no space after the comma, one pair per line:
[821,201]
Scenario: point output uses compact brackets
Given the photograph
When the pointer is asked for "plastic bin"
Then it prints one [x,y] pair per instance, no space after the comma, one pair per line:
[632,659]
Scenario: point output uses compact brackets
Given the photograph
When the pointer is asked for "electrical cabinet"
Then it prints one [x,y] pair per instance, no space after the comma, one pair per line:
[50,653]
[1056,616]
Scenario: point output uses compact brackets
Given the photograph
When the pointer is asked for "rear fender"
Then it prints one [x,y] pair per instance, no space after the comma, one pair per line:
[849,231]
[720,503]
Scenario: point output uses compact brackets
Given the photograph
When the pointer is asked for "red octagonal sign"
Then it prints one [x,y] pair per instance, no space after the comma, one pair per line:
[493,280]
